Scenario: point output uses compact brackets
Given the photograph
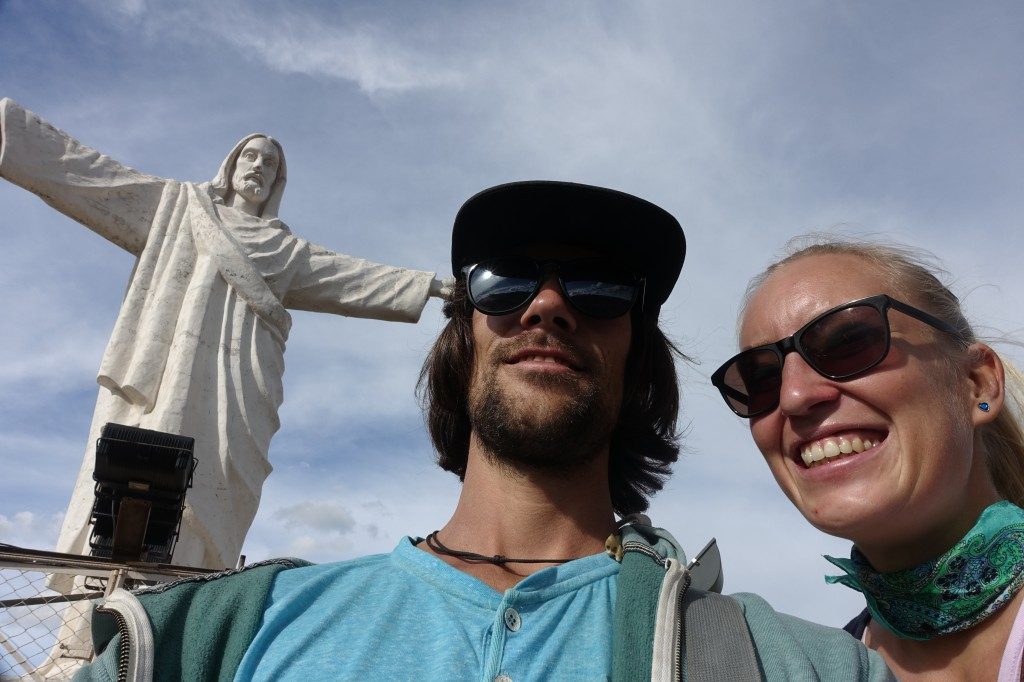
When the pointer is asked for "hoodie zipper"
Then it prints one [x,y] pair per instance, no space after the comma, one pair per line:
[665,563]
[135,651]
[642,548]
[679,627]
[123,646]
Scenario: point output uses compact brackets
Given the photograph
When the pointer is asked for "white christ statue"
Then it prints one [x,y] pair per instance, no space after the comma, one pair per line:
[198,346]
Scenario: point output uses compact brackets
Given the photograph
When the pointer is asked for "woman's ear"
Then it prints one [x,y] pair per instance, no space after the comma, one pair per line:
[986,376]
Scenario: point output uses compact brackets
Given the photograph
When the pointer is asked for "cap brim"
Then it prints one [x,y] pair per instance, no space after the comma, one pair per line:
[521,214]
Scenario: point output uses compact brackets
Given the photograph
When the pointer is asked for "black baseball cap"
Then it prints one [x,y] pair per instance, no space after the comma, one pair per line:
[520,214]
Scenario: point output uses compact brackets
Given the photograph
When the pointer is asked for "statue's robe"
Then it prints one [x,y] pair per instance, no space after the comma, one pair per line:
[198,346]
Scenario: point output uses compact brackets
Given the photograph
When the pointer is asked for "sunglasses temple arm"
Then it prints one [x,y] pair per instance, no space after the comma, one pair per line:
[921,315]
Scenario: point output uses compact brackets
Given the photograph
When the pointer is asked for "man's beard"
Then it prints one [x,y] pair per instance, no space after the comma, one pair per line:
[570,437]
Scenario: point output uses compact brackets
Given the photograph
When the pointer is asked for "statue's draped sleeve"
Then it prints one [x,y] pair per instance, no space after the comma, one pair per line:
[325,281]
[113,200]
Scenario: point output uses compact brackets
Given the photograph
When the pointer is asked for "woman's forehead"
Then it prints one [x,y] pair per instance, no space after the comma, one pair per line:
[800,290]
[835,276]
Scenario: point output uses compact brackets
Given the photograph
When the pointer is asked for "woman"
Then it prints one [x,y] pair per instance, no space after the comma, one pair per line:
[885,421]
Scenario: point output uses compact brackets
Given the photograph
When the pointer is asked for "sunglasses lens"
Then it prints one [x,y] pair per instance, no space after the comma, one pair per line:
[751,383]
[501,285]
[847,341]
[599,288]
[595,287]
[838,345]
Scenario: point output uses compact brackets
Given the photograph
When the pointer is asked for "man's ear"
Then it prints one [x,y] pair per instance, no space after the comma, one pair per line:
[987,378]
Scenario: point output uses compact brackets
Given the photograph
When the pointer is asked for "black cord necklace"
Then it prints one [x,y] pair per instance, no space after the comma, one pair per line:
[472,557]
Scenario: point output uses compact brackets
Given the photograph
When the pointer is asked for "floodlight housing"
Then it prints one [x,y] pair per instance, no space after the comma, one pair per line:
[141,479]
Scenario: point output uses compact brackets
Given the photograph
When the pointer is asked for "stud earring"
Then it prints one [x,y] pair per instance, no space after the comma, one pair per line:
[984,407]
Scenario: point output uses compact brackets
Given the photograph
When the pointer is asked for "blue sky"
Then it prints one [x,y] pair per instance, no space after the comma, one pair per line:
[751,122]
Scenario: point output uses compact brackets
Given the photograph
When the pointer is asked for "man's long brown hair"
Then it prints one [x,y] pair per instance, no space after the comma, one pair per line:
[644,443]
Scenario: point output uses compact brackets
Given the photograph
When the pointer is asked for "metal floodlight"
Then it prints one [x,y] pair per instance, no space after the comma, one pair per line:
[141,478]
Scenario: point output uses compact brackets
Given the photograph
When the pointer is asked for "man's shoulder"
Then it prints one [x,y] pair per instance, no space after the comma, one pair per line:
[221,610]
[253,582]
[263,571]
[350,570]
[760,612]
[789,647]
[232,595]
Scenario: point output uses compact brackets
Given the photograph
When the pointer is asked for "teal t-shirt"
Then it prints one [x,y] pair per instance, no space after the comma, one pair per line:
[408,615]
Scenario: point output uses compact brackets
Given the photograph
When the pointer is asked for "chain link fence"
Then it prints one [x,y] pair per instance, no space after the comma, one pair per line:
[45,602]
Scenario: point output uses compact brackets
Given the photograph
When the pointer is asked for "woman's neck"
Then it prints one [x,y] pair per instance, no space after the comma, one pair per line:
[973,654]
[911,543]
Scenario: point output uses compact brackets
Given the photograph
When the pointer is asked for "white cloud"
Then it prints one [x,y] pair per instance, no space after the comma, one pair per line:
[321,516]
[24,528]
[297,41]
[378,503]
[365,55]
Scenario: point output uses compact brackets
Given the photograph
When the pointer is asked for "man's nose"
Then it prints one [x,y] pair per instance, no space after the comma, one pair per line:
[549,309]
[803,389]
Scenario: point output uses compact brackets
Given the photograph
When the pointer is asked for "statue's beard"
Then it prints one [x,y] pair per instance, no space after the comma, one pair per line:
[560,441]
[251,188]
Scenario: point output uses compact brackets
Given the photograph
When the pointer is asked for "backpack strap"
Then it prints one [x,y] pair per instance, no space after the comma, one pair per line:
[716,643]
[666,629]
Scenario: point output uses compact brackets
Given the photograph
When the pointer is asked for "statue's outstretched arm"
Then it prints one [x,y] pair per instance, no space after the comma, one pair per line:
[325,281]
[109,198]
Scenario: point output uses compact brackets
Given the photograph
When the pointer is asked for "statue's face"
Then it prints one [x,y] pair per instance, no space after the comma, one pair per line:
[256,170]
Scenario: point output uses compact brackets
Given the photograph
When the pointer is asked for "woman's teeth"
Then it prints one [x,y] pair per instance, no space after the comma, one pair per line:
[831,448]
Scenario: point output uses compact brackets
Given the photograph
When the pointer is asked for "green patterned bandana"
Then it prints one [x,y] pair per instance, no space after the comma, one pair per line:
[961,588]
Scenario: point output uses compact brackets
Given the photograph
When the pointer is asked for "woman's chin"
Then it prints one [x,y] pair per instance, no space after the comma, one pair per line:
[852,520]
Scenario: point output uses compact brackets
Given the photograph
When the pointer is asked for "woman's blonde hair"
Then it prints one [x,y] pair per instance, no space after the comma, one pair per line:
[913,277]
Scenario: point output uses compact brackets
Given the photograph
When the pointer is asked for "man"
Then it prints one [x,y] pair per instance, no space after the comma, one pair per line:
[198,346]
[551,392]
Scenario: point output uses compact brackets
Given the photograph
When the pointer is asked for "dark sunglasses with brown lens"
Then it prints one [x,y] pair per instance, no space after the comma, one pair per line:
[838,344]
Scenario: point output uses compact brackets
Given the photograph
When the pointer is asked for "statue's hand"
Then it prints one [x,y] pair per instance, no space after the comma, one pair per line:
[442,288]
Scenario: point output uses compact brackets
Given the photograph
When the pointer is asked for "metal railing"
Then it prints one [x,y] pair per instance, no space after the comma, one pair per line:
[46,599]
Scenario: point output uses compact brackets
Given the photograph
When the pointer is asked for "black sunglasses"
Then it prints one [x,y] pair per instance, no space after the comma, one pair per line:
[598,287]
[838,344]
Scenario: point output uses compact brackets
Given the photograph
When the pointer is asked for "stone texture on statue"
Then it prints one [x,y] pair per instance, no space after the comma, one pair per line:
[198,346]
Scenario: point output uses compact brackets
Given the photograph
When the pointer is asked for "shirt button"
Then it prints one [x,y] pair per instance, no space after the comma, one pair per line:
[503,678]
[512,620]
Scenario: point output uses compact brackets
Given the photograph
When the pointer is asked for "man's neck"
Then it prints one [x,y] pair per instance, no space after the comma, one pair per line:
[526,515]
